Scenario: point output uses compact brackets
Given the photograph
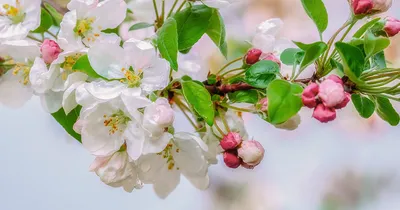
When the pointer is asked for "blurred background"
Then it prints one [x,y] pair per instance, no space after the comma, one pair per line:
[350,164]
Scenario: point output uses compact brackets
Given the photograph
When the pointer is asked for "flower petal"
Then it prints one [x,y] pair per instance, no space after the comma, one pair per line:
[104,90]
[107,60]
[112,19]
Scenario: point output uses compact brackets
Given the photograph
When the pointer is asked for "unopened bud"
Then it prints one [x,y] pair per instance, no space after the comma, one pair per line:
[50,51]
[345,101]
[335,78]
[231,141]
[392,26]
[251,152]
[253,56]
[263,104]
[324,114]
[231,159]
[309,95]
[271,57]
[331,93]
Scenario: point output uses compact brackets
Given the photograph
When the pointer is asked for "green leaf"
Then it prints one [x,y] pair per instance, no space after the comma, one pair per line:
[46,21]
[316,10]
[212,79]
[288,56]
[192,23]
[284,101]
[140,25]
[379,60]
[312,52]
[353,61]
[200,99]
[386,111]
[216,31]
[261,74]
[373,44]
[244,96]
[83,65]
[68,121]
[365,27]
[364,105]
[57,17]
[167,42]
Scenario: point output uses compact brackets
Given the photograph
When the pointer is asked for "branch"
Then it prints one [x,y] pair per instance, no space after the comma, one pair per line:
[228,88]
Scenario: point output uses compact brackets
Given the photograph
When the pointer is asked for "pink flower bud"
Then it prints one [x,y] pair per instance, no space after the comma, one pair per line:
[335,78]
[381,6]
[253,56]
[263,104]
[331,93]
[309,95]
[251,152]
[231,159]
[50,51]
[362,7]
[271,57]
[231,141]
[392,26]
[160,113]
[345,101]
[324,114]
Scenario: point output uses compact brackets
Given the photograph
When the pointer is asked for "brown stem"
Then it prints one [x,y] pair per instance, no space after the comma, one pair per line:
[228,88]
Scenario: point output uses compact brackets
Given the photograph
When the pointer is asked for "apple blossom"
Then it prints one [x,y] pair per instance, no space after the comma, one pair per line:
[17,18]
[324,114]
[253,56]
[231,140]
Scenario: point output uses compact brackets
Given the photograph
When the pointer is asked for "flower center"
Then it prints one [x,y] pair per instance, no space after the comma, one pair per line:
[84,26]
[116,122]
[22,70]
[68,63]
[15,14]
[131,78]
[167,154]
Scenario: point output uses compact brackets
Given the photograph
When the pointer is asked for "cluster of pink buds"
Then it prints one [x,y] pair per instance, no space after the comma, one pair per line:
[238,152]
[325,98]
[366,7]
[254,55]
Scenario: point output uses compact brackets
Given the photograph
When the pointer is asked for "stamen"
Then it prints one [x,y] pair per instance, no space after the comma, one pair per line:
[116,122]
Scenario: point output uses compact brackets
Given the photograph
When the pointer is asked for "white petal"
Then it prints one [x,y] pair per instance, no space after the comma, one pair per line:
[51,101]
[69,102]
[40,77]
[112,19]
[133,100]
[10,31]
[156,145]
[264,42]
[83,97]
[82,6]
[270,27]
[12,92]
[167,182]
[219,4]
[134,136]
[97,140]
[20,50]
[139,54]
[200,182]
[156,77]
[104,90]
[107,60]
[183,136]
[71,79]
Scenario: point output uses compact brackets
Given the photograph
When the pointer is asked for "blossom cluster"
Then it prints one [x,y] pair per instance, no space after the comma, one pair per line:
[119,96]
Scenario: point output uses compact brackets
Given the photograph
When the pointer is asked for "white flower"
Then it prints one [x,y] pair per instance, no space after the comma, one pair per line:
[219,4]
[191,66]
[83,25]
[149,72]
[103,125]
[212,136]
[150,136]
[15,88]
[183,155]
[117,171]
[18,17]
[265,38]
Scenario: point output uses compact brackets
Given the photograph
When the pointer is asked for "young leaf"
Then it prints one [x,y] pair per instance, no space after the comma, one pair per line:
[46,21]
[353,60]
[364,105]
[140,25]
[57,17]
[83,65]
[365,27]
[244,96]
[216,31]
[312,52]
[373,44]
[261,74]
[68,121]
[284,101]
[167,42]
[288,56]
[192,23]
[200,99]
[316,10]
[386,111]
[379,60]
